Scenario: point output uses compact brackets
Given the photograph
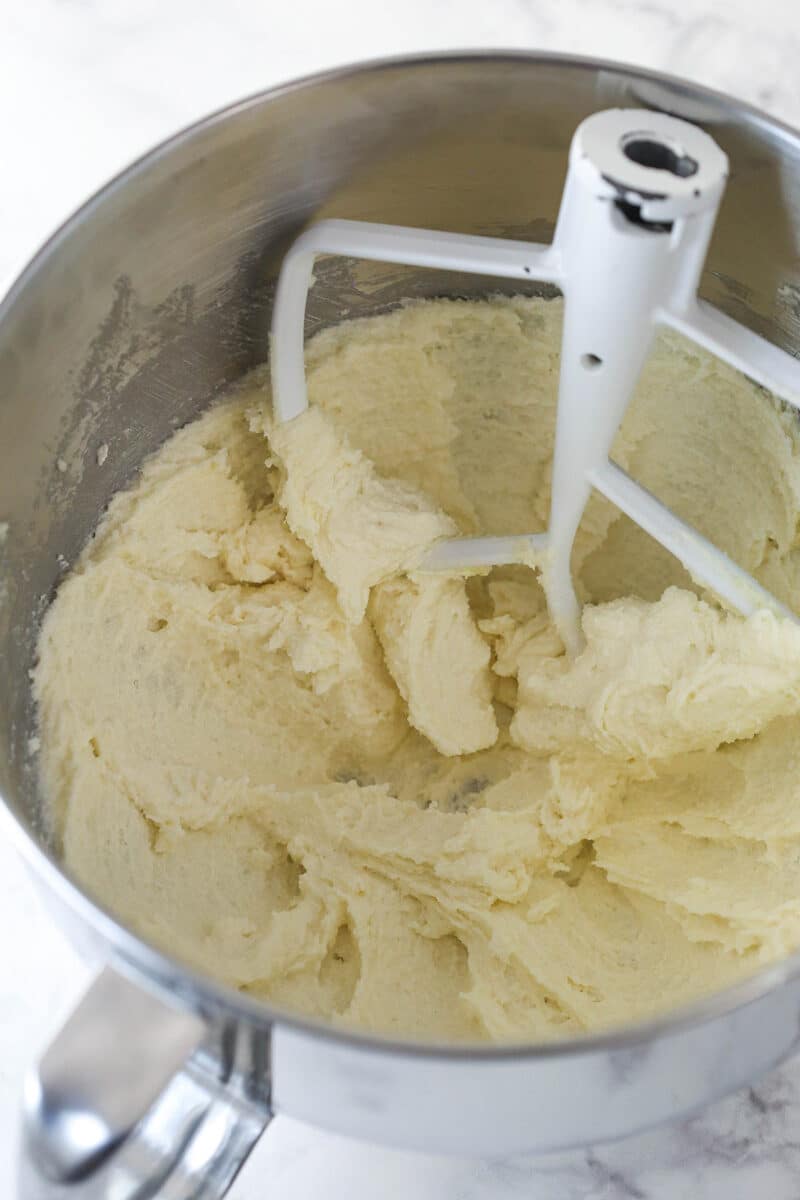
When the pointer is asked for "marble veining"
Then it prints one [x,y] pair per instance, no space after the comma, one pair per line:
[86,86]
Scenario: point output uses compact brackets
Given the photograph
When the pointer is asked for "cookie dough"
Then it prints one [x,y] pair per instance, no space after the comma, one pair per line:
[388,799]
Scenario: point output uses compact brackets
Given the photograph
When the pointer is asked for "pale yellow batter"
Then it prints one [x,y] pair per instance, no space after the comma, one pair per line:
[388,798]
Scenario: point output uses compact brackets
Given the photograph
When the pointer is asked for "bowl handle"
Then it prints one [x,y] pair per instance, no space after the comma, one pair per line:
[136,1097]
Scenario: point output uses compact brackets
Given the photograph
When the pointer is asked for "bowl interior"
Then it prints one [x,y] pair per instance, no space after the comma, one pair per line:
[157,294]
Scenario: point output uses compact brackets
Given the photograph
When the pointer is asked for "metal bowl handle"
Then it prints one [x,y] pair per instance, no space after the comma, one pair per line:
[131,1100]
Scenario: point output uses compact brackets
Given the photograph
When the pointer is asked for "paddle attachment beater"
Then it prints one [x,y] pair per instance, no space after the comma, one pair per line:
[637,214]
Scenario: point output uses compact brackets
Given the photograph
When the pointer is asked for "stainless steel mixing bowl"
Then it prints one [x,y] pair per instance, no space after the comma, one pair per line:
[129,322]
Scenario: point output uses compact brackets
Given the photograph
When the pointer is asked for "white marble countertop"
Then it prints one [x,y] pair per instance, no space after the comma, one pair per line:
[85,86]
